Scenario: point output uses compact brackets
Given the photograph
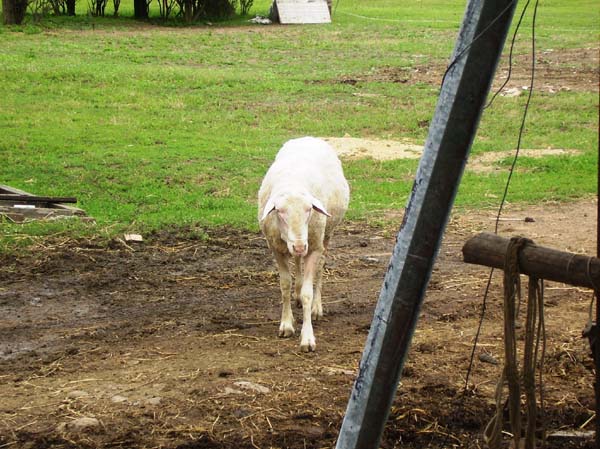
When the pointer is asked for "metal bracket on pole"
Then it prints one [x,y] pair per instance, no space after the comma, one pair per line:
[462,97]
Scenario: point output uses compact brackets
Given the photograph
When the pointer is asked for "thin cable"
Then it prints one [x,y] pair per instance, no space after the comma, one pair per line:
[510,56]
[478,333]
[475,39]
[502,202]
[522,128]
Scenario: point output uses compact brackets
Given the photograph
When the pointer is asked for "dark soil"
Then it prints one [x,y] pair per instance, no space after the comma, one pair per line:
[151,339]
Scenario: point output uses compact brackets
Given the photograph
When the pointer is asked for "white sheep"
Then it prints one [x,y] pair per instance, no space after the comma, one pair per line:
[306,177]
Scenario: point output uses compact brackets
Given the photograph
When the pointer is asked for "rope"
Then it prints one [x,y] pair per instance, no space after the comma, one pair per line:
[534,330]
[510,376]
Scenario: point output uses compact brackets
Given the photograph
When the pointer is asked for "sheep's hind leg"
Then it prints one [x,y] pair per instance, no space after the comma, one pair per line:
[286,327]
[317,306]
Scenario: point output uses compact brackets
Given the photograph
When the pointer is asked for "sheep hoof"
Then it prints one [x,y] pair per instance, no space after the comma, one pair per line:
[286,330]
[308,346]
[316,314]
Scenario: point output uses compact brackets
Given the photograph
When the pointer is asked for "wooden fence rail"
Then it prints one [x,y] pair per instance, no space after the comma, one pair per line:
[545,263]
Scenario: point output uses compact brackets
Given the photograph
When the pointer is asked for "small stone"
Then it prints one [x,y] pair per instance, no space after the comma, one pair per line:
[244,385]
[511,92]
[117,399]
[133,238]
[77,394]
[333,371]
[154,401]
[79,424]
[229,391]
[488,358]
[242,413]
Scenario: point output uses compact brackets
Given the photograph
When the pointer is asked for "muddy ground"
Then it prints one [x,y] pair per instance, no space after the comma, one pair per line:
[153,339]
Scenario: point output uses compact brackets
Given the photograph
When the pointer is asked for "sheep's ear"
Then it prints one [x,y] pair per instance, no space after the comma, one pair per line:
[269,207]
[318,206]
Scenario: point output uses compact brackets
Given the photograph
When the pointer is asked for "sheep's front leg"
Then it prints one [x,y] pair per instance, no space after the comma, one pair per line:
[307,336]
[298,281]
[286,328]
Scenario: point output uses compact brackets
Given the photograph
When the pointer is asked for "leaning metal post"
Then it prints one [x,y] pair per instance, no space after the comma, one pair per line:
[464,91]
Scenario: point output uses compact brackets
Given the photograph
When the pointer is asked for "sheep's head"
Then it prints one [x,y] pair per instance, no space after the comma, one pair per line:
[293,215]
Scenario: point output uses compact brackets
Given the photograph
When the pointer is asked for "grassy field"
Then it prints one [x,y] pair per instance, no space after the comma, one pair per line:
[152,125]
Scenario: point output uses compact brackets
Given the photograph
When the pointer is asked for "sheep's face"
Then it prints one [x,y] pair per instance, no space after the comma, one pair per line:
[293,217]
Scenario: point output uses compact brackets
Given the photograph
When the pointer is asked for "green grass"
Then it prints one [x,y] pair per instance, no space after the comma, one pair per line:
[152,125]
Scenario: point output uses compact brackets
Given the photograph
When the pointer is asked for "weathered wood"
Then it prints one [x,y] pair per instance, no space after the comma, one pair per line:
[596,328]
[40,213]
[20,215]
[302,11]
[36,199]
[545,263]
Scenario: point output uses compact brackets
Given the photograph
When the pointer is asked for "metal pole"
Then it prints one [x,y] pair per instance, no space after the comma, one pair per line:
[464,91]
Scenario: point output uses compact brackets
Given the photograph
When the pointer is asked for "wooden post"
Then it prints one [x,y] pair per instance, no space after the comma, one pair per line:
[464,91]
[596,327]
[545,263]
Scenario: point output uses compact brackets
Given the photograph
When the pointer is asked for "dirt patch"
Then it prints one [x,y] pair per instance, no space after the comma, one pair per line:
[351,148]
[381,150]
[488,162]
[173,342]
[557,70]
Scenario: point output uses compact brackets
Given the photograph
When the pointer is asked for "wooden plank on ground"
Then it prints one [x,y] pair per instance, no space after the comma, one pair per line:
[303,11]
[22,214]
[35,207]
[16,198]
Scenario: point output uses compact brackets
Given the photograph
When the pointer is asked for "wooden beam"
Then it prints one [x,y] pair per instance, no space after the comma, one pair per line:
[18,198]
[545,263]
